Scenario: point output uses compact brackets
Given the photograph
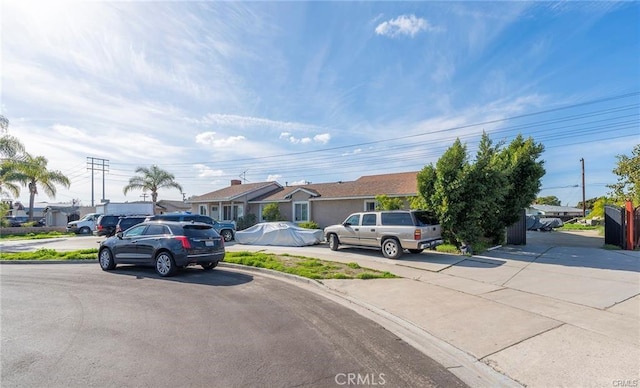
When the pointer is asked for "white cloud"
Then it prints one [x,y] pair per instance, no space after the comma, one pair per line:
[235,121]
[298,183]
[321,138]
[275,177]
[207,172]
[210,138]
[404,25]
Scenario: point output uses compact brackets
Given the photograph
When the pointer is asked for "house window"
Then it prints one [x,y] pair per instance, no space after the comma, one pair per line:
[301,211]
[369,206]
[202,210]
[232,212]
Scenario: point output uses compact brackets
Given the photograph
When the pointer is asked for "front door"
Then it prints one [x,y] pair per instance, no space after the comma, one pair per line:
[349,231]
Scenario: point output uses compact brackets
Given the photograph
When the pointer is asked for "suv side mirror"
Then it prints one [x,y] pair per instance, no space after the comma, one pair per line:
[119,234]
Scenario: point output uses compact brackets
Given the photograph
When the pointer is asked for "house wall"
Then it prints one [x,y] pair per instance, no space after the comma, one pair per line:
[332,212]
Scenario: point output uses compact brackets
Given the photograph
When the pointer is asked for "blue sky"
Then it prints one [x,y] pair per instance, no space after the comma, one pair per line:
[316,91]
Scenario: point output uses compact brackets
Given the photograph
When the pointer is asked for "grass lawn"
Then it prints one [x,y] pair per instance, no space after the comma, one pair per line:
[34,236]
[44,254]
[305,266]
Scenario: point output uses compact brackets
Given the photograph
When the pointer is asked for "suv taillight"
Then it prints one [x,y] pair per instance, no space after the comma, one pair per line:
[185,242]
[417,234]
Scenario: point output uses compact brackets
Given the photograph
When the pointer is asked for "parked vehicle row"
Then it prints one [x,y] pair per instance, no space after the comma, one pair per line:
[108,225]
[166,245]
[17,221]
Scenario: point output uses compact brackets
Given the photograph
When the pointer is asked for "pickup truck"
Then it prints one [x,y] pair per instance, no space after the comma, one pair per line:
[393,231]
[85,225]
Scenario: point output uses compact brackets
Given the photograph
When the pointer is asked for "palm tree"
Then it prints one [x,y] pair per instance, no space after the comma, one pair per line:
[152,179]
[32,171]
[11,150]
[10,146]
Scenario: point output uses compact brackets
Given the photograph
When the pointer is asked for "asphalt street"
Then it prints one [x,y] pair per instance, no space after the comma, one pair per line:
[77,326]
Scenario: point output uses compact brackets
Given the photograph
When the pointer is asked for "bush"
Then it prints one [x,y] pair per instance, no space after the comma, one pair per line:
[309,225]
[246,222]
[271,212]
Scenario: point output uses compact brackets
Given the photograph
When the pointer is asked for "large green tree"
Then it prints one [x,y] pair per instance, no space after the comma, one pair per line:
[480,198]
[33,172]
[152,179]
[628,172]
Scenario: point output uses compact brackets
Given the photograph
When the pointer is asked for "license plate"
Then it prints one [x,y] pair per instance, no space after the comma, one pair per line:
[209,243]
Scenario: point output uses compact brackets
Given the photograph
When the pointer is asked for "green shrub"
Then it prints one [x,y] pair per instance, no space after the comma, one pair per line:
[271,213]
[246,222]
[309,225]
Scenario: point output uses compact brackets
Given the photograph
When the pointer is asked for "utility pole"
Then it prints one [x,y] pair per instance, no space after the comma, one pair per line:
[584,200]
[94,164]
[144,196]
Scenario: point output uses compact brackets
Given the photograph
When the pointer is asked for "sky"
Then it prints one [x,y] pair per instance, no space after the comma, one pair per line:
[317,91]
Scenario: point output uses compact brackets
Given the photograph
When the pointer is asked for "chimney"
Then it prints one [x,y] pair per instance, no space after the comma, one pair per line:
[235,182]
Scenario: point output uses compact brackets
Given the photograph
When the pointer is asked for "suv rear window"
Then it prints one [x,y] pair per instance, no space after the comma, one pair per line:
[108,220]
[199,231]
[425,218]
[396,219]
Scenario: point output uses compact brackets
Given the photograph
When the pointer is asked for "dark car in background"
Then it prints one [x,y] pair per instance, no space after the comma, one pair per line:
[226,229]
[106,225]
[125,222]
[165,245]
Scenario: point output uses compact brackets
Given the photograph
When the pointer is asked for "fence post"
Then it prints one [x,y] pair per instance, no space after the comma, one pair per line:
[629,232]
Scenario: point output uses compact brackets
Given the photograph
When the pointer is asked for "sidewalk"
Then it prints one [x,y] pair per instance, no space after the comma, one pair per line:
[541,315]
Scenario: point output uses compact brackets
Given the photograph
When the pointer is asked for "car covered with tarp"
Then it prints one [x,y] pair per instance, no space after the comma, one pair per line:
[279,233]
[543,224]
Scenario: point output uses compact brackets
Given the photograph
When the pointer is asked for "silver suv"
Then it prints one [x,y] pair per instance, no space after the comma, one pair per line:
[393,231]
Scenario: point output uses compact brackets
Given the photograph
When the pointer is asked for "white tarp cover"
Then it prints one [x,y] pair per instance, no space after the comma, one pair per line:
[279,233]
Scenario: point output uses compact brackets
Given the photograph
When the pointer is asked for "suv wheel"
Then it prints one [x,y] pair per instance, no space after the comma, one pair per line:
[391,248]
[84,230]
[227,235]
[333,242]
[165,266]
[106,260]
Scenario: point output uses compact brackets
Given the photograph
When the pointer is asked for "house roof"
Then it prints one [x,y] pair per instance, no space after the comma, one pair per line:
[555,209]
[232,192]
[399,184]
[172,205]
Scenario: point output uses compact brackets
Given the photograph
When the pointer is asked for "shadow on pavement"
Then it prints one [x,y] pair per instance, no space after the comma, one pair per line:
[193,275]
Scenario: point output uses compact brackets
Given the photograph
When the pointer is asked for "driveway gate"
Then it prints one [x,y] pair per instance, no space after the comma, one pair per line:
[614,226]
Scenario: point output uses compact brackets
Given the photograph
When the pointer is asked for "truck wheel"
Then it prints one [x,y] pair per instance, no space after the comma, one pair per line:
[391,248]
[84,230]
[227,235]
[333,242]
